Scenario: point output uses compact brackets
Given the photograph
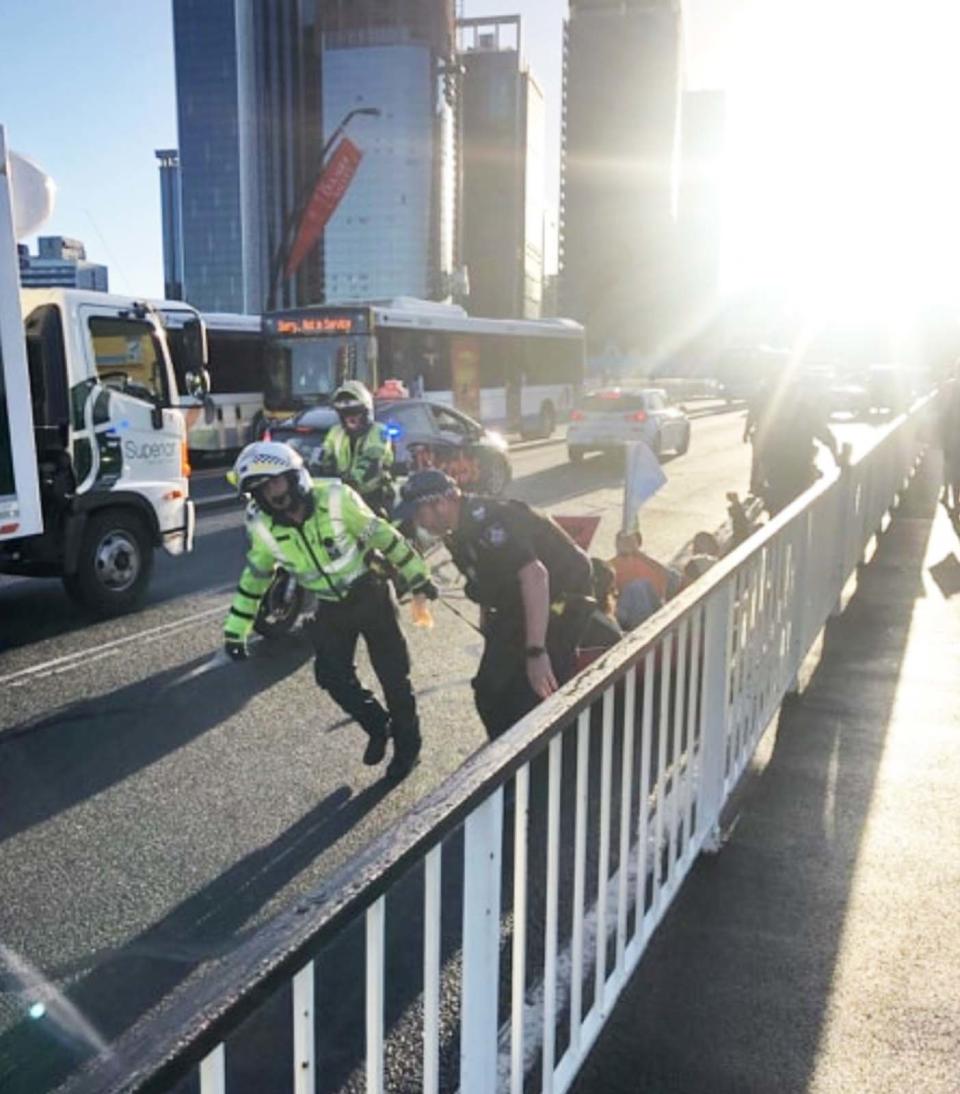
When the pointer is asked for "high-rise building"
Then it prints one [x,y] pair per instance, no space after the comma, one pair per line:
[247,90]
[261,86]
[620,147]
[503,140]
[171,223]
[60,263]
[394,232]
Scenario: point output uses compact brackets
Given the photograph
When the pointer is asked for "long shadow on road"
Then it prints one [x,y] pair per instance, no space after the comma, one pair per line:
[86,747]
[124,983]
[732,994]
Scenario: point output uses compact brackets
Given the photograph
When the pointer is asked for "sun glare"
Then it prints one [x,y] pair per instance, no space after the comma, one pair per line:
[842,176]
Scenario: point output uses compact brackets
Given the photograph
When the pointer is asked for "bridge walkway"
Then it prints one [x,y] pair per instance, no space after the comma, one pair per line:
[820,950]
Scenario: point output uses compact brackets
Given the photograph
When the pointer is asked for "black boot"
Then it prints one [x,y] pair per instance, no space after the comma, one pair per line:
[406,752]
[376,746]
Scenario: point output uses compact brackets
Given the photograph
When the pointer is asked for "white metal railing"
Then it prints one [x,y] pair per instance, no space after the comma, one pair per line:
[558,847]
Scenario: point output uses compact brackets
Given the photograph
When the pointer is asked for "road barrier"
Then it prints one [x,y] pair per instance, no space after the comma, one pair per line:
[480,945]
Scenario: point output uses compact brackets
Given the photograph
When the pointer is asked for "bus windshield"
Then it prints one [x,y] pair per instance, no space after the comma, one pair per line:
[308,370]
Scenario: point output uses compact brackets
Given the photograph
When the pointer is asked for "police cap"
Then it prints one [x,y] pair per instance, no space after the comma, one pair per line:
[420,487]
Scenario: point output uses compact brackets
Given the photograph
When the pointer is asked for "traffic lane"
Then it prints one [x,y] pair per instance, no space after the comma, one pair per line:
[41,625]
[38,621]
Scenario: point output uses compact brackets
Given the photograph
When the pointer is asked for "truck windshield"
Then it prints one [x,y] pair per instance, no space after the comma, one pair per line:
[308,370]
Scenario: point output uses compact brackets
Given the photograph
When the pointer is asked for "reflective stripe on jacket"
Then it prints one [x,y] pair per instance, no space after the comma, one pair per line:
[327,553]
[365,463]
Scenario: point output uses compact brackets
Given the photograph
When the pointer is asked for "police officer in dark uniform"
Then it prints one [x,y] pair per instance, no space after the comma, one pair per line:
[534,586]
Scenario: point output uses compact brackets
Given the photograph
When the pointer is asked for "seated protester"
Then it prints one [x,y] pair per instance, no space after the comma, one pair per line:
[632,564]
[705,543]
[636,603]
[605,587]
[697,566]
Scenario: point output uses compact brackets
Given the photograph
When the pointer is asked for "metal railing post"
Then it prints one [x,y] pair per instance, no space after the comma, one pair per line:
[798,609]
[715,710]
[481,946]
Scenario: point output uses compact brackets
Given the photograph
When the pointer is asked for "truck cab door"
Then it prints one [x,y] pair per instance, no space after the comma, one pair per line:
[124,431]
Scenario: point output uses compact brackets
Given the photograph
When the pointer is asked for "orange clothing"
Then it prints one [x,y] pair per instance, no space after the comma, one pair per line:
[641,567]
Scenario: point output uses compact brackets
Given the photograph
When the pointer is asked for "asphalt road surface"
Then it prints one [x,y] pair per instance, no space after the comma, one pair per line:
[157,802]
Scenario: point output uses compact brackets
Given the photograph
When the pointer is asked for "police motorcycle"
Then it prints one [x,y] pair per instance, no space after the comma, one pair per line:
[286,601]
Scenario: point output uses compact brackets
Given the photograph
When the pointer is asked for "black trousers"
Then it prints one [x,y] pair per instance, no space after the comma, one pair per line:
[501,690]
[369,611]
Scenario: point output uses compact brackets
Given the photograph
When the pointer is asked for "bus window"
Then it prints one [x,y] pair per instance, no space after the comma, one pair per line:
[309,370]
[236,362]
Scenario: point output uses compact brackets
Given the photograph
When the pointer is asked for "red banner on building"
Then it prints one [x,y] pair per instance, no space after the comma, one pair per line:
[332,184]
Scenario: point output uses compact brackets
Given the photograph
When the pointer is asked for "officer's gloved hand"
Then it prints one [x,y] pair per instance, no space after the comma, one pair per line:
[235,649]
[427,589]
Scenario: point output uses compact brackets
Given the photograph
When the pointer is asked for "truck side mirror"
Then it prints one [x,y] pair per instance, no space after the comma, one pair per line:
[198,383]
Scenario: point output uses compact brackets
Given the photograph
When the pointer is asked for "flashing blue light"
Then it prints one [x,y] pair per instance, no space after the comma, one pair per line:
[37,1010]
[394,430]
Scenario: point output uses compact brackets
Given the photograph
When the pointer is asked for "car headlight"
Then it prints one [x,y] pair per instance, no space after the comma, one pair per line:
[497,440]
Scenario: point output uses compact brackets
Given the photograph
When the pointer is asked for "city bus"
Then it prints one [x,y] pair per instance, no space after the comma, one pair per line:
[232,414]
[519,375]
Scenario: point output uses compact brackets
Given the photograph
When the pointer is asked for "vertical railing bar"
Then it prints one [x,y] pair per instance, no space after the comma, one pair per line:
[603,858]
[521,815]
[664,725]
[643,791]
[480,981]
[550,933]
[679,693]
[579,872]
[213,1072]
[431,969]
[626,800]
[376,915]
[304,1050]
[694,752]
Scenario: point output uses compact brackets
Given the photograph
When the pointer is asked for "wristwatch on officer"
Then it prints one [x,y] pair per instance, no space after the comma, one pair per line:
[535,651]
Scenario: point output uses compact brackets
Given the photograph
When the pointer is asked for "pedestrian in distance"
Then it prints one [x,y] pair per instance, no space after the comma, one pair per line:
[358,449]
[534,586]
[324,534]
[791,424]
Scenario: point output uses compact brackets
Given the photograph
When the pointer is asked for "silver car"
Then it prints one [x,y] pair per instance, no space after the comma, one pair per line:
[609,418]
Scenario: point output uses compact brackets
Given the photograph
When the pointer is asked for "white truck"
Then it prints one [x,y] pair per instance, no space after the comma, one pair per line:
[93,455]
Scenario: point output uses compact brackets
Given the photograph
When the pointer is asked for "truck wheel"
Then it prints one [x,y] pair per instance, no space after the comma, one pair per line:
[114,564]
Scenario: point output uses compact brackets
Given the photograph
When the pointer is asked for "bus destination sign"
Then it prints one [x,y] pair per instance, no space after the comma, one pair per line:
[310,323]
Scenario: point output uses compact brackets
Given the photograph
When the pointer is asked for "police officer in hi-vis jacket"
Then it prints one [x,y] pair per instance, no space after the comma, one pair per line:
[325,535]
[358,449]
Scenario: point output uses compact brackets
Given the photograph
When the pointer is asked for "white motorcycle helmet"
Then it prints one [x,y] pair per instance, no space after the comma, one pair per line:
[353,400]
[264,460]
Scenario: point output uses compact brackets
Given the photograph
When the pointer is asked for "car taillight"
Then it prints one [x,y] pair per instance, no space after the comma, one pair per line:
[637,416]
[577,415]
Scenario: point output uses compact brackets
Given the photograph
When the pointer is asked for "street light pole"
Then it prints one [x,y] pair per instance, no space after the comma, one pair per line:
[294,218]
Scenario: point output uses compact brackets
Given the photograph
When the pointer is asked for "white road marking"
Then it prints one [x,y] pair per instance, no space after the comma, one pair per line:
[88,656]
